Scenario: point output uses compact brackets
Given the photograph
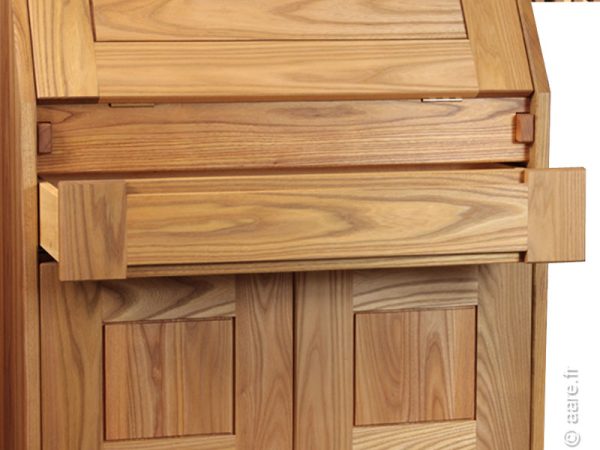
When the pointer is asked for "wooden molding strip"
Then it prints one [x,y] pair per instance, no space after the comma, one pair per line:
[322,264]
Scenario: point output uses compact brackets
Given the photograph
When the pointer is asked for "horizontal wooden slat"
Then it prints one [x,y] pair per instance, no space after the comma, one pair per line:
[321,264]
[410,213]
[388,290]
[271,70]
[224,442]
[180,20]
[98,138]
[455,435]
[168,298]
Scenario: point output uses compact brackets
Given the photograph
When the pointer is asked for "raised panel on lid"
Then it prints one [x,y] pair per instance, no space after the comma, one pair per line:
[179,20]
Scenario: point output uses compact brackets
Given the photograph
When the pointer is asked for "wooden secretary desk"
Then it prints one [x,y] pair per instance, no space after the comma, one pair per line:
[277,225]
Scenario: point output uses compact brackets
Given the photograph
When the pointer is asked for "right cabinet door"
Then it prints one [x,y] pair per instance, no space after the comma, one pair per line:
[435,358]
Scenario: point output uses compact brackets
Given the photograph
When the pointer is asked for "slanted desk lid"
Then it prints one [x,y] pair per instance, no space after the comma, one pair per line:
[142,50]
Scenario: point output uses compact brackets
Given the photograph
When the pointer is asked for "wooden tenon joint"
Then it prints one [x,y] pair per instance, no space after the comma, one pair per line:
[44,138]
[525,128]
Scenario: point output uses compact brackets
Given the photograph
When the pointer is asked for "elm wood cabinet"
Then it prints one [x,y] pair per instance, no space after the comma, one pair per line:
[389,358]
[277,225]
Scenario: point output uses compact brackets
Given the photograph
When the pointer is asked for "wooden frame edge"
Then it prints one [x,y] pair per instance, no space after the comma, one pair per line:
[19,307]
[538,158]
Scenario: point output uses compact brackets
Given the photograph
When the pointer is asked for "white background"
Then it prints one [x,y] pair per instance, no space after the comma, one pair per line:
[570,35]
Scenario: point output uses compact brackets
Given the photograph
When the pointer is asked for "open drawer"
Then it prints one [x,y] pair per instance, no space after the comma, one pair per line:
[101,229]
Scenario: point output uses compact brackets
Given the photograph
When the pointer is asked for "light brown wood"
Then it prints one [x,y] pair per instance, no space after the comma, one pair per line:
[264,362]
[324,353]
[168,379]
[525,128]
[390,214]
[49,222]
[63,48]
[178,20]
[538,354]
[389,290]
[415,366]
[19,302]
[272,70]
[92,228]
[323,264]
[496,36]
[455,435]
[98,138]
[263,355]
[71,362]
[504,357]
[44,137]
[168,298]
[540,106]
[224,442]
[556,215]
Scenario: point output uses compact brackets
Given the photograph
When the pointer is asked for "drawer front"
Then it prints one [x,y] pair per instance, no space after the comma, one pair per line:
[99,138]
[98,229]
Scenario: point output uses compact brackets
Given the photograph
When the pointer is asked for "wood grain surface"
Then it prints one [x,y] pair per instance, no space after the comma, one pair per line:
[219,442]
[275,70]
[19,301]
[415,366]
[184,137]
[324,354]
[71,363]
[63,48]
[178,20]
[168,378]
[389,290]
[264,362]
[556,215]
[504,357]
[49,221]
[92,230]
[540,106]
[455,435]
[179,270]
[266,218]
[168,299]
[496,36]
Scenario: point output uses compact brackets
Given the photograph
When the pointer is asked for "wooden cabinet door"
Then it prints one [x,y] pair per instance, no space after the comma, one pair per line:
[435,358]
[176,363]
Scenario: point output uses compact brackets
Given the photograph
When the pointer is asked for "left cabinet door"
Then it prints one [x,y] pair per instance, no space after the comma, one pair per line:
[196,363]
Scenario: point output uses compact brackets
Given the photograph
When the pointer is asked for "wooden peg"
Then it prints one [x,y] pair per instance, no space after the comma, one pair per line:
[525,128]
[44,137]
